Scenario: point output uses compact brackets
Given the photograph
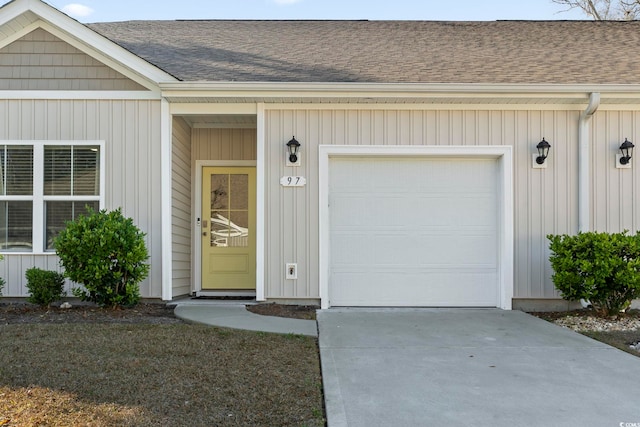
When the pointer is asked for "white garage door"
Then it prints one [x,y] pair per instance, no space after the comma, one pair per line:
[413,232]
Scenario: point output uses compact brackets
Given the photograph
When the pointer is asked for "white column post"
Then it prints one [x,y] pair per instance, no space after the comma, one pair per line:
[165,211]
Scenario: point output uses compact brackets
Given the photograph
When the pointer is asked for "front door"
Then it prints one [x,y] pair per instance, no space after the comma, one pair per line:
[228,228]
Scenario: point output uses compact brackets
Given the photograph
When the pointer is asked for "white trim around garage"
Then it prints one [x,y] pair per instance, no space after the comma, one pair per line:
[503,154]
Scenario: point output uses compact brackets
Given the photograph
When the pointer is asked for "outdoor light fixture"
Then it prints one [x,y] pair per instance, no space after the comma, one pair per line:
[626,150]
[543,151]
[294,147]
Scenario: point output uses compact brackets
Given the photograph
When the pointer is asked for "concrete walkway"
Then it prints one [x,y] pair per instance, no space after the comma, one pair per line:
[235,315]
[466,367]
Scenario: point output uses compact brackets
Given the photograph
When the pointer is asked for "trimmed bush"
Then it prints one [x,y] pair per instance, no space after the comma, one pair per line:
[44,286]
[603,268]
[105,252]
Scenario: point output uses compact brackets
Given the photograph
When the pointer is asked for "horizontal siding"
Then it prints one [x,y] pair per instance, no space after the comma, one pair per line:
[181,208]
[41,61]
[131,131]
[546,199]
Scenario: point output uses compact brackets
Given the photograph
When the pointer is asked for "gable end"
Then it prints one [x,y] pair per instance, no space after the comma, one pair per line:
[42,61]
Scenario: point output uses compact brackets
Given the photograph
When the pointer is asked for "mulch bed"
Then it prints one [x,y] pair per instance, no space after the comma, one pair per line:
[154,313]
[307,312]
[150,313]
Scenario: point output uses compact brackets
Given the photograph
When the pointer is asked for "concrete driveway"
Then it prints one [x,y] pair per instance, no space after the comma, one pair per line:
[470,367]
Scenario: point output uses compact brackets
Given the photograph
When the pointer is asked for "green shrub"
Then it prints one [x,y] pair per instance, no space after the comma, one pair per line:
[106,253]
[44,286]
[603,268]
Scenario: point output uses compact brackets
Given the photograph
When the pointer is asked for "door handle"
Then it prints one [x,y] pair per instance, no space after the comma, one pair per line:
[204,233]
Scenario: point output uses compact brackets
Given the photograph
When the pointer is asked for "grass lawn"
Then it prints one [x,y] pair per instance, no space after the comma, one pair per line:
[107,374]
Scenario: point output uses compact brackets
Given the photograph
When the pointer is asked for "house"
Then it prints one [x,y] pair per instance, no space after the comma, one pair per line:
[415,183]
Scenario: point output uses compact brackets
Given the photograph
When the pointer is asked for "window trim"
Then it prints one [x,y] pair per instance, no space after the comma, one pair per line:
[38,198]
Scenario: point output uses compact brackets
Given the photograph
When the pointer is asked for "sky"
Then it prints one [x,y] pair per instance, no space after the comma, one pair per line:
[454,10]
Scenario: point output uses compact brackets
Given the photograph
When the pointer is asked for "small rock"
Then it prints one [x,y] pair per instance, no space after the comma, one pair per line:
[65,305]
[593,323]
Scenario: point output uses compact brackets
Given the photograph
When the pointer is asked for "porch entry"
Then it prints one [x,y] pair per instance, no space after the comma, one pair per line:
[228,228]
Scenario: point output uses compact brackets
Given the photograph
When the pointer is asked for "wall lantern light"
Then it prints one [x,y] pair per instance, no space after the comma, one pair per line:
[293,147]
[543,151]
[626,151]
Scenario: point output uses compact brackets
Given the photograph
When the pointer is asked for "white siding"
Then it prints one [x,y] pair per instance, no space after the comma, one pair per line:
[41,61]
[615,203]
[131,131]
[545,199]
[224,144]
[181,208]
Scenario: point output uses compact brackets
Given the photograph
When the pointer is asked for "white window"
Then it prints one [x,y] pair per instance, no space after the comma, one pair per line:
[43,184]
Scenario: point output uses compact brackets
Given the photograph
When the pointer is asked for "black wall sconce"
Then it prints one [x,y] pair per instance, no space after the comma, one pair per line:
[543,151]
[294,147]
[626,151]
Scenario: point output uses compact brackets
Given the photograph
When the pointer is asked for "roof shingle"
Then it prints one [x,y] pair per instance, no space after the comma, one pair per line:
[545,52]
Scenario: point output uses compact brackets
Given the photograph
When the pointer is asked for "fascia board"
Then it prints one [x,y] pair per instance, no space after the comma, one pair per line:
[85,39]
[392,90]
[14,9]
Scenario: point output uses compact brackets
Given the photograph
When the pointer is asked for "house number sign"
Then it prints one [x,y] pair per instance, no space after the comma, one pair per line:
[293,181]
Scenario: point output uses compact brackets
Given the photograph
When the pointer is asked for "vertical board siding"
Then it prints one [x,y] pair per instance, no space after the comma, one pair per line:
[224,144]
[546,199]
[41,61]
[181,208]
[131,131]
[615,203]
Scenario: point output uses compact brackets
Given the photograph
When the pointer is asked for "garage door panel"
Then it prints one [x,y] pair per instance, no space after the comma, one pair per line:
[416,289]
[353,248]
[427,249]
[448,211]
[343,206]
[390,210]
[351,177]
[403,254]
[417,231]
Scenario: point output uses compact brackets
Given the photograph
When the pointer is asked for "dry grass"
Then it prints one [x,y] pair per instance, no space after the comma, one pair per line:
[143,375]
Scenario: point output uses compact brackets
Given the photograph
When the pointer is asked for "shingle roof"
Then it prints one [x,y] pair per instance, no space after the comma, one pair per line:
[561,52]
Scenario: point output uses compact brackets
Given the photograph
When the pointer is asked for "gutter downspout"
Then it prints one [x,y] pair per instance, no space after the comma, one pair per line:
[584,191]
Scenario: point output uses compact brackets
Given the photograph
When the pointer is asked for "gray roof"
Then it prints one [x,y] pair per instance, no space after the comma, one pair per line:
[556,52]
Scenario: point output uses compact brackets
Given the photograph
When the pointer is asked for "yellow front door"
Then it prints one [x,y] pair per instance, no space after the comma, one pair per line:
[228,228]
